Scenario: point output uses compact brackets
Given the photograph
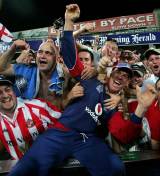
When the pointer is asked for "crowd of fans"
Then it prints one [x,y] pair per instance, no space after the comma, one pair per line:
[89,102]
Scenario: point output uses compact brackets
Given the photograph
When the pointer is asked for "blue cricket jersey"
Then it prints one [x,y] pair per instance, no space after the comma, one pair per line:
[86,112]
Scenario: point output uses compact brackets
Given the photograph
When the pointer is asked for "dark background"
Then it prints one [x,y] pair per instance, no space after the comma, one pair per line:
[19,15]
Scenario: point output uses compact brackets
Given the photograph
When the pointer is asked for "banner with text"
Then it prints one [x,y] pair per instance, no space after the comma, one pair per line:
[117,23]
[125,39]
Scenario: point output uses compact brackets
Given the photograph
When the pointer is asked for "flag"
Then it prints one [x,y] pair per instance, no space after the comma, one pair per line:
[5,35]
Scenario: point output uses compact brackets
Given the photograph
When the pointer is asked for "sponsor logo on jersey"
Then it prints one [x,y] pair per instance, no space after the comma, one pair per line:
[96,114]
[98,109]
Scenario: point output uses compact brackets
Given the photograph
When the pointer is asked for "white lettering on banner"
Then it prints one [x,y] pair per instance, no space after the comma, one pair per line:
[122,40]
[119,27]
[107,22]
[117,23]
[131,20]
[150,18]
[122,20]
[141,19]
[138,19]
[146,38]
[125,39]
[136,25]
[80,25]
[3,47]
[127,21]
[102,40]
[104,23]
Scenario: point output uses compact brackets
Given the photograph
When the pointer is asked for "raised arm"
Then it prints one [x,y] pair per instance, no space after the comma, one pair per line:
[145,99]
[5,59]
[86,28]
[68,47]
[126,131]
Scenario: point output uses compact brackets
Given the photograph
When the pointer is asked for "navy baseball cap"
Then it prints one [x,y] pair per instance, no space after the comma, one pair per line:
[124,67]
[5,81]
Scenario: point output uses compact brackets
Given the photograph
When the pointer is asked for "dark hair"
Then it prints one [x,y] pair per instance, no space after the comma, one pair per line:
[87,42]
[88,51]
[126,55]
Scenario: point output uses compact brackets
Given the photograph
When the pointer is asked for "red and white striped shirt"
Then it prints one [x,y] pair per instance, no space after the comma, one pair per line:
[30,118]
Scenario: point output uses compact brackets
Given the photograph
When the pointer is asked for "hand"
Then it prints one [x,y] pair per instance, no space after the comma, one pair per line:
[109,51]
[21,44]
[72,12]
[112,102]
[104,62]
[77,91]
[102,78]
[145,99]
[24,58]
[88,27]
[88,72]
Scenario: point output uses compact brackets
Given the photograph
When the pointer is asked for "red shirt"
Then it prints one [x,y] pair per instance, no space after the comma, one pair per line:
[29,120]
[153,117]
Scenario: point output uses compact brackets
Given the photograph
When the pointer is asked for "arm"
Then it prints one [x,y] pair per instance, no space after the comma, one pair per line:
[68,44]
[26,57]
[5,59]
[125,131]
[76,92]
[86,28]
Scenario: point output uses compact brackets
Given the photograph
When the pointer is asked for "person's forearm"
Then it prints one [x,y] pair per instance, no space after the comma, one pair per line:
[103,64]
[140,111]
[78,32]
[6,57]
[68,25]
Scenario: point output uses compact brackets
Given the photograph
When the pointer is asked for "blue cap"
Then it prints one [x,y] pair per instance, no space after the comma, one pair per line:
[125,67]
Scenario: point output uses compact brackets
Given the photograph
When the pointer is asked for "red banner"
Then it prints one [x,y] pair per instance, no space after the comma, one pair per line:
[117,23]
